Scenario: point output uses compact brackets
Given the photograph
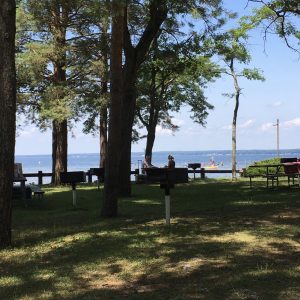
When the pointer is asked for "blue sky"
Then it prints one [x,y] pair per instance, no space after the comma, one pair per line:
[261,104]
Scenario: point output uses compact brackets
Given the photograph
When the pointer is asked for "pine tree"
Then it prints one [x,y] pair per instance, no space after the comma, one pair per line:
[47,73]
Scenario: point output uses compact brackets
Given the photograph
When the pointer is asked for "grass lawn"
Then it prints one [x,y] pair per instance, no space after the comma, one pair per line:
[225,242]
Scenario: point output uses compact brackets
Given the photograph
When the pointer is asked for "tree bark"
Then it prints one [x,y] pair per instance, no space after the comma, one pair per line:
[233,154]
[151,129]
[150,141]
[59,125]
[128,112]
[103,136]
[59,134]
[110,204]
[154,109]
[7,116]
[59,149]
[234,119]
[104,90]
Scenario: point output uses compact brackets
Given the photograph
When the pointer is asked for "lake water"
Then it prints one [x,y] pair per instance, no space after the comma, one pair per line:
[83,162]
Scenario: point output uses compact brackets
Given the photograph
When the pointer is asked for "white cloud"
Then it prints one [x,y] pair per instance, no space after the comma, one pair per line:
[292,123]
[192,131]
[177,122]
[77,133]
[247,124]
[227,127]
[266,126]
[244,125]
[277,103]
[163,131]
[27,133]
[168,132]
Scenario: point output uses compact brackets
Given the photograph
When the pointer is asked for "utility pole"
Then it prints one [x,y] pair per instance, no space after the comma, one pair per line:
[277,124]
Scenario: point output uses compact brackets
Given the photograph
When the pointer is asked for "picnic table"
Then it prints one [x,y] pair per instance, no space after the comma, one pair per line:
[291,170]
[268,175]
[22,181]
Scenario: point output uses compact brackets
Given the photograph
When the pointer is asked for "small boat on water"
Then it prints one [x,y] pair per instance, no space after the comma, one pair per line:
[211,167]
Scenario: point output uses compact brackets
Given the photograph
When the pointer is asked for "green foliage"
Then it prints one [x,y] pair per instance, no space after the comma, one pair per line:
[33,65]
[174,75]
[58,104]
[279,17]
[262,171]
[232,48]
[56,41]
[232,45]
[253,74]
[90,66]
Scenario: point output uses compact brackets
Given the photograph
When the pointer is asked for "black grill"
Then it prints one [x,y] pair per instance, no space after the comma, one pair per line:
[194,166]
[167,176]
[72,177]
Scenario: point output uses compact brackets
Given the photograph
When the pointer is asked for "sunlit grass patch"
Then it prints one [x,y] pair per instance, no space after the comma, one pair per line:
[225,242]
[147,202]
[9,281]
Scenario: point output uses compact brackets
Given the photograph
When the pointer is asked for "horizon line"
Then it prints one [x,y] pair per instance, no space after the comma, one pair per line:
[171,151]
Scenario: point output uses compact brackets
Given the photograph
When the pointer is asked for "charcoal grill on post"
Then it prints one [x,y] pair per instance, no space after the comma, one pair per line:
[194,166]
[73,178]
[167,179]
[99,172]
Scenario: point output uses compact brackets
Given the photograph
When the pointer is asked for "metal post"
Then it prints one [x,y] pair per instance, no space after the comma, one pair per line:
[74,194]
[202,173]
[40,177]
[140,164]
[90,176]
[167,204]
[277,124]
[278,137]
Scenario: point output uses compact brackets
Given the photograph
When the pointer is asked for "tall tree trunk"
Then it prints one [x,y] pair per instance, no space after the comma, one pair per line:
[128,113]
[59,149]
[234,120]
[104,90]
[134,56]
[150,141]
[59,134]
[60,125]
[110,204]
[153,112]
[7,116]
[233,154]
[103,136]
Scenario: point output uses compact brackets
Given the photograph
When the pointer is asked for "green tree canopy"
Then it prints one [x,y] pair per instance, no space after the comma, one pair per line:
[277,16]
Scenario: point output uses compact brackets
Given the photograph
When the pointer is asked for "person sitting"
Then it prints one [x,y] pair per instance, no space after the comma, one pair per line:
[212,163]
[147,163]
[171,162]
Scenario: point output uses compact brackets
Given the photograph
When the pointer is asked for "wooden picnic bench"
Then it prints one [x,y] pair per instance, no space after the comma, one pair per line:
[292,171]
[288,167]
[270,176]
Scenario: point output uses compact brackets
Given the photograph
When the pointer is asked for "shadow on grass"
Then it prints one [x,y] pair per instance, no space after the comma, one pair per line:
[223,244]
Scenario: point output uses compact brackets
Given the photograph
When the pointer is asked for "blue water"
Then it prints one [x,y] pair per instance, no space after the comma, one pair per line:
[83,162]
